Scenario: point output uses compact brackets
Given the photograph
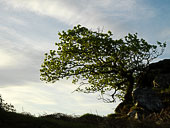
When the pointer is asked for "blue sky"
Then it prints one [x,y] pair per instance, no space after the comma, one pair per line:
[28,29]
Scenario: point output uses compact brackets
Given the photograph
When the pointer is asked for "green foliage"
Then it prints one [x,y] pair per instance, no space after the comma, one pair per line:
[5,106]
[98,62]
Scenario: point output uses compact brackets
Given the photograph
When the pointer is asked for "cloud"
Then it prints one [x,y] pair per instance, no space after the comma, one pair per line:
[20,59]
[37,99]
[24,40]
[112,14]
[6,59]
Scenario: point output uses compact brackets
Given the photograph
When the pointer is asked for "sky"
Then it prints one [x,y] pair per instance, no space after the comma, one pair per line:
[28,29]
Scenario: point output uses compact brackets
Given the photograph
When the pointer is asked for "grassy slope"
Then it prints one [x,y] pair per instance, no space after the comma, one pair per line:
[15,120]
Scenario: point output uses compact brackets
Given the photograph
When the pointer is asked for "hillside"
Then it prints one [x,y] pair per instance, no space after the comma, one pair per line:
[18,120]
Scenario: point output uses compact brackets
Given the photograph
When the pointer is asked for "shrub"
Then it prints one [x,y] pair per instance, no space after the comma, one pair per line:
[5,106]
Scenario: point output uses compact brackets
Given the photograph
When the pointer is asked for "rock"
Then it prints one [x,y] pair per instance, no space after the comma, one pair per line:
[163,116]
[157,75]
[161,66]
[156,78]
[123,108]
[148,99]
[136,114]
[152,93]
[160,73]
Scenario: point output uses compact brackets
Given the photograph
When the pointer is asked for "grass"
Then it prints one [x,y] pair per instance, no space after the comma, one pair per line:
[18,120]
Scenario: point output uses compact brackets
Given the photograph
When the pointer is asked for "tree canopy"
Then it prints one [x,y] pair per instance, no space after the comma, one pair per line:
[98,63]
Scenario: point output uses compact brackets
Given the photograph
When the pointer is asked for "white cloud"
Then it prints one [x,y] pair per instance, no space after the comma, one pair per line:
[20,59]
[112,14]
[21,54]
[6,59]
[39,98]
[17,20]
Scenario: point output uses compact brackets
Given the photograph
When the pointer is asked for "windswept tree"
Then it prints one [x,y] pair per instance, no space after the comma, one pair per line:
[98,63]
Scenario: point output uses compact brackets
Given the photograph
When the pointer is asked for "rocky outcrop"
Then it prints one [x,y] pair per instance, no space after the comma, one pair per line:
[153,92]
[160,74]
[148,99]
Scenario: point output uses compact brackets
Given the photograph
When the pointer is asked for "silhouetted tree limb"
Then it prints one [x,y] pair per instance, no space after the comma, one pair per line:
[94,57]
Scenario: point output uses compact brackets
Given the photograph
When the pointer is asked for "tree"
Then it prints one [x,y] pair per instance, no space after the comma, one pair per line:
[5,106]
[99,63]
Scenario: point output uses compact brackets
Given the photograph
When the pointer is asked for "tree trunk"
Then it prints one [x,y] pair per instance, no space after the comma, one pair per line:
[128,96]
[124,107]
